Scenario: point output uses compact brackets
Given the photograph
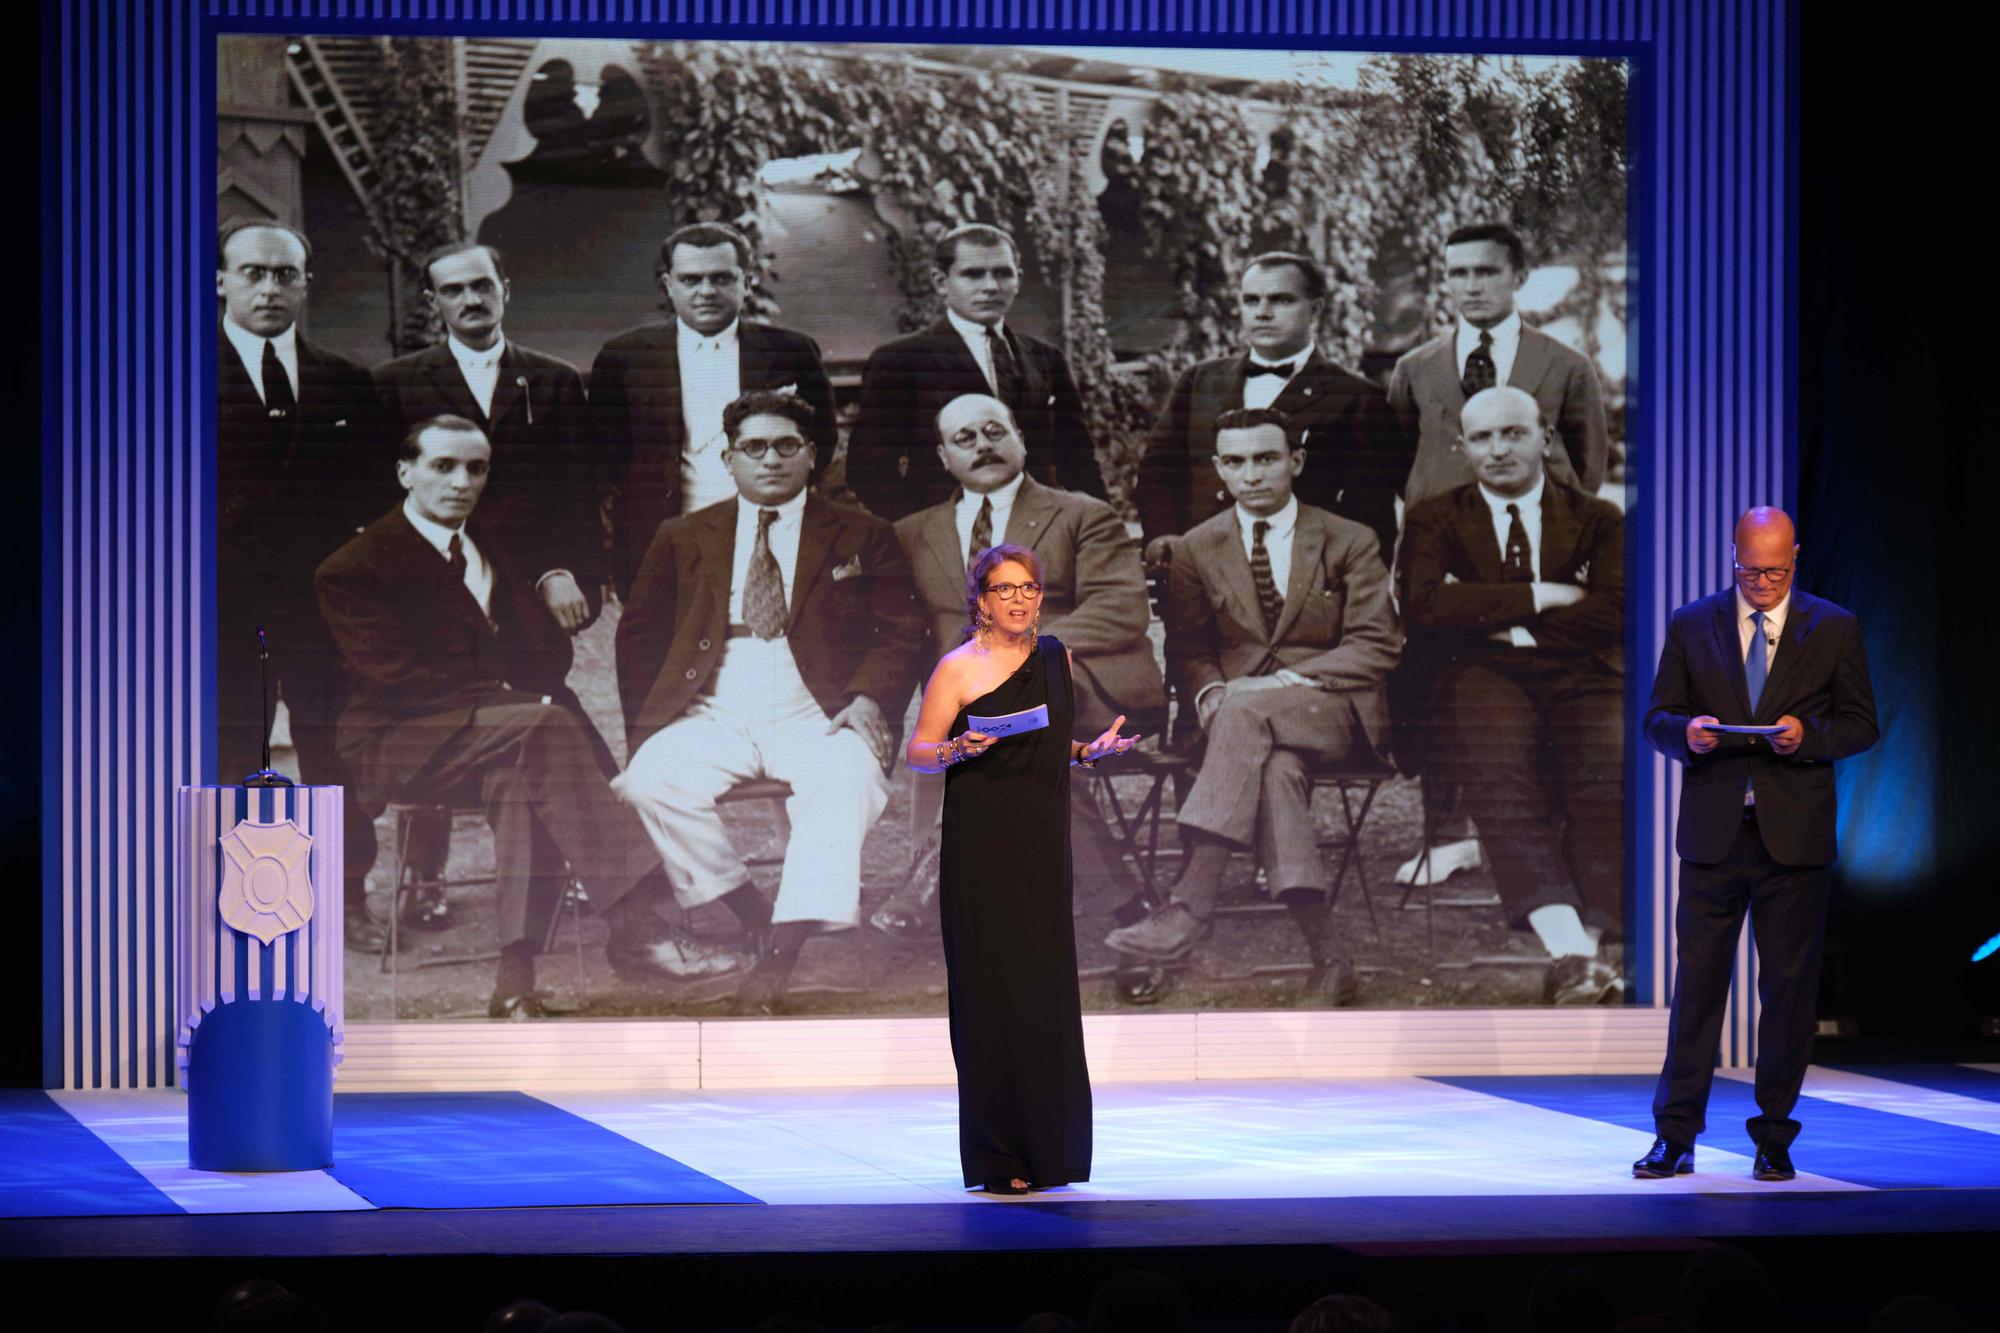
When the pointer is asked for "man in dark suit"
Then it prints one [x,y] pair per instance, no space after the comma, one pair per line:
[1756,827]
[1513,588]
[1355,455]
[459,694]
[657,391]
[772,635]
[1280,631]
[1485,264]
[302,460]
[1093,599]
[971,350]
[540,502]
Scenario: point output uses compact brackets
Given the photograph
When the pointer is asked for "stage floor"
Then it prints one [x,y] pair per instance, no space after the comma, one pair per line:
[1391,1161]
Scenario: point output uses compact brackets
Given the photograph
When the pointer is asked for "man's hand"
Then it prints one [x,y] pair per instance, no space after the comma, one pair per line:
[565,601]
[1212,700]
[1287,676]
[1158,551]
[1788,740]
[864,716]
[1551,595]
[1701,740]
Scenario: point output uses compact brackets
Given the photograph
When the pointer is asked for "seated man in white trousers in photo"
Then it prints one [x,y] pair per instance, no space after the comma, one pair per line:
[773,635]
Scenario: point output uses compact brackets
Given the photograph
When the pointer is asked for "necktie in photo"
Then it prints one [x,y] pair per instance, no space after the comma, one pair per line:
[278,398]
[455,557]
[1756,667]
[982,531]
[1283,370]
[1480,372]
[764,587]
[1520,565]
[1006,371]
[1269,599]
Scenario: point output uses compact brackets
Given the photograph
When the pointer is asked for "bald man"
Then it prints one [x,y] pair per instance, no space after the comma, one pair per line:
[1760,689]
[1513,593]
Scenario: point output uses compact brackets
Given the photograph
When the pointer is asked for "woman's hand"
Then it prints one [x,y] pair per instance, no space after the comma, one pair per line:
[972,744]
[1107,744]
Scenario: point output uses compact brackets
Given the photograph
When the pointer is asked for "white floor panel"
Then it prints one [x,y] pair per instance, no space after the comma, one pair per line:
[148,1128]
[1882,1094]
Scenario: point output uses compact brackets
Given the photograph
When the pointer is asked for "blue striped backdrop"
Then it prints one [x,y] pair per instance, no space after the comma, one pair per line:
[128,459]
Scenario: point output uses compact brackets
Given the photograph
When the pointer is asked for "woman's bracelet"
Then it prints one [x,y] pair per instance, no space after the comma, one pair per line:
[1082,749]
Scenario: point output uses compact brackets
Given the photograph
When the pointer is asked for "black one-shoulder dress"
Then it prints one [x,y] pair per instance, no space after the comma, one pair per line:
[1009,942]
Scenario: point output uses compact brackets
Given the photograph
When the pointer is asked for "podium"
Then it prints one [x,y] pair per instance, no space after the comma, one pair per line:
[258,875]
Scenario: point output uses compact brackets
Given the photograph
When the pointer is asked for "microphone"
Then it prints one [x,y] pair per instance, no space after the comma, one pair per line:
[265,776]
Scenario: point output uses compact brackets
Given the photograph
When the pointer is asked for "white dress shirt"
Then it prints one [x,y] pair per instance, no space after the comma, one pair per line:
[967,512]
[1277,539]
[784,539]
[1506,342]
[1530,506]
[975,343]
[480,369]
[1263,390]
[250,347]
[711,379]
[478,574]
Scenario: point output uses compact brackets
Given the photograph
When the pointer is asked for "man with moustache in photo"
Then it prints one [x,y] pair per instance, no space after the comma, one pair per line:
[459,696]
[1513,593]
[1281,634]
[302,462]
[772,635]
[1093,599]
[890,463]
[1358,456]
[657,391]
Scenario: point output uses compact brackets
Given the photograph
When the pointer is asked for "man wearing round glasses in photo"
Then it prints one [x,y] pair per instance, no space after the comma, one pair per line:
[657,391]
[1760,689]
[772,635]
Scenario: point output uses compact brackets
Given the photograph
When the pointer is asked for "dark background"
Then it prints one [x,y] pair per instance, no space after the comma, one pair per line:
[1897,489]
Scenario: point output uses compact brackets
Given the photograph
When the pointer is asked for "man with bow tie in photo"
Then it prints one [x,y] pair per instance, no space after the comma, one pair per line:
[772,635]
[1357,458]
[1756,827]
[302,461]
[1513,595]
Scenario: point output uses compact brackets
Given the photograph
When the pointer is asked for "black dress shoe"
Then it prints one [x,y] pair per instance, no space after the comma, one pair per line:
[673,953]
[1138,981]
[1582,981]
[1774,1162]
[363,933]
[1665,1158]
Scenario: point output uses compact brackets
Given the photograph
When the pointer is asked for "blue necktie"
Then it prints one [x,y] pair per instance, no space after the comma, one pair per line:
[1755,666]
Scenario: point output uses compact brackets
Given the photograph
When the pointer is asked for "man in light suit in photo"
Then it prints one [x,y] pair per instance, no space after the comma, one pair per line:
[1756,827]
[1489,344]
[657,391]
[1513,594]
[890,464]
[1093,599]
[1358,454]
[772,635]
[1281,634]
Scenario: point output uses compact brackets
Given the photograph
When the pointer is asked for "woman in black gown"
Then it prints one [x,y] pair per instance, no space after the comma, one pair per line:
[1004,884]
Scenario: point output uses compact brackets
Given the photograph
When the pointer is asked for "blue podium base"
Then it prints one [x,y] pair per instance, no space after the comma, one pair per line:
[260,1088]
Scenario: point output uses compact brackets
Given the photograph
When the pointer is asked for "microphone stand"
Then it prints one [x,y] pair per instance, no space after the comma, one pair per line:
[265,776]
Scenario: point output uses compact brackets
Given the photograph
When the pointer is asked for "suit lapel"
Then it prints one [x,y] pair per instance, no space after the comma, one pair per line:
[1440,372]
[1532,360]
[509,388]
[422,560]
[1559,530]
[1475,530]
[718,547]
[1799,620]
[441,369]
[817,527]
[1235,568]
[1308,543]
[1303,388]
[1028,521]
[1729,643]
[940,533]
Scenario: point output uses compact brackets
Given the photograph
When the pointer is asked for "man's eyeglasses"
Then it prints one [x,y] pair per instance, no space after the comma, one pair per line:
[285,275]
[1763,574]
[994,431]
[722,282]
[756,449]
[1007,592]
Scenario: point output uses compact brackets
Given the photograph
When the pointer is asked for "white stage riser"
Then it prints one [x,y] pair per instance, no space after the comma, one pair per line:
[1122,1048]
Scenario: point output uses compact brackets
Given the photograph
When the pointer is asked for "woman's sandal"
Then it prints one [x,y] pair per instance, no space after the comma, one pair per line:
[1006,1185]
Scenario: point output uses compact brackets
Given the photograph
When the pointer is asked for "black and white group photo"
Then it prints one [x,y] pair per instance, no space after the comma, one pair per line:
[606,430]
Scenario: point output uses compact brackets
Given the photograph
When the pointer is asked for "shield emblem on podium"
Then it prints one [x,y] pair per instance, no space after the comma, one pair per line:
[266,885]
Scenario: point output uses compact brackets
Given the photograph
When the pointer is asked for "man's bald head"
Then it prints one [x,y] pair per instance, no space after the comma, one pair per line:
[1503,437]
[979,442]
[1767,552]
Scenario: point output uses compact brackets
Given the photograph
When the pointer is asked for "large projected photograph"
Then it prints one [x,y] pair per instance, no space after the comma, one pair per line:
[606,430]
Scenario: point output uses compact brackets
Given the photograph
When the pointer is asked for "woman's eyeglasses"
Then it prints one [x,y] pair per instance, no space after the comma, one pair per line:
[1008,592]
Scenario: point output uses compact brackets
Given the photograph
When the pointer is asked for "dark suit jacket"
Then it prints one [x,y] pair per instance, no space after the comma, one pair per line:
[289,491]
[854,626]
[1425,392]
[635,399]
[1337,626]
[1819,675]
[892,461]
[1356,456]
[540,501]
[1093,594]
[417,646]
